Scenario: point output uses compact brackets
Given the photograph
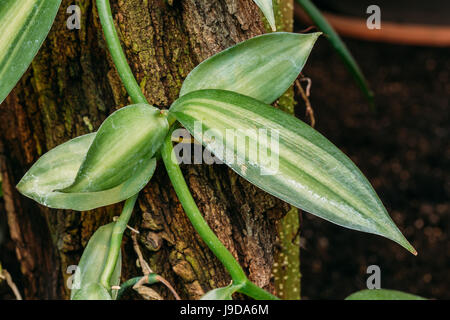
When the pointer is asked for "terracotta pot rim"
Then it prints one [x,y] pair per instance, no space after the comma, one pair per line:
[391,32]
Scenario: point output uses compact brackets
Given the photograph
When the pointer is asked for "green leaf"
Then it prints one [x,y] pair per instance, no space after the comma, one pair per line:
[382,294]
[340,47]
[92,291]
[24,26]
[124,144]
[263,67]
[266,7]
[58,168]
[86,283]
[224,293]
[99,169]
[303,169]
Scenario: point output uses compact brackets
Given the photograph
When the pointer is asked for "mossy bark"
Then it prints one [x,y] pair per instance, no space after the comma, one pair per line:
[71,87]
[286,268]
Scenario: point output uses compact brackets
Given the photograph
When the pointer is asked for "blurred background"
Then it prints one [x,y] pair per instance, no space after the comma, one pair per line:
[402,147]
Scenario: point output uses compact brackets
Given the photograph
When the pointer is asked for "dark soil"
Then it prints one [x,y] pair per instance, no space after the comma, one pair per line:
[403,148]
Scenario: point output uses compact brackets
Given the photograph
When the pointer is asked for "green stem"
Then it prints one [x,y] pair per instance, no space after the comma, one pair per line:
[194,215]
[133,89]
[116,240]
[117,54]
[200,225]
[152,278]
[252,290]
[175,174]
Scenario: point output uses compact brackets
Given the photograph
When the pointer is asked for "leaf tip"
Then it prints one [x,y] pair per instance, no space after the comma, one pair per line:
[313,36]
[271,20]
[408,246]
[316,34]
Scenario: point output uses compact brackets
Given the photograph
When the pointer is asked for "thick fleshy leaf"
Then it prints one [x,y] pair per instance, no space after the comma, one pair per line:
[263,67]
[266,7]
[58,168]
[24,26]
[125,142]
[224,293]
[298,165]
[382,294]
[86,283]
[92,291]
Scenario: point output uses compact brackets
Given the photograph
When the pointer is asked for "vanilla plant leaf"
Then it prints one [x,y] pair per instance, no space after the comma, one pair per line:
[286,158]
[86,283]
[225,293]
[58,168]
[266,7]
[124,144]
[263,67]
[382,294]
[24,26]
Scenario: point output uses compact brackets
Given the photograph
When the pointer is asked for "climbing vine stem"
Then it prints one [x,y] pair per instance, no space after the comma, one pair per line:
[175,174]
[116,240]
[133,89]
[117,54]
[200,225]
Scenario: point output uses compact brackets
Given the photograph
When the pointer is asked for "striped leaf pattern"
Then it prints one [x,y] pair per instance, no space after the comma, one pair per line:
[24,26]
[309,172]
[124,144]
[58,168]
[86,283]
[266,7]
[263,67]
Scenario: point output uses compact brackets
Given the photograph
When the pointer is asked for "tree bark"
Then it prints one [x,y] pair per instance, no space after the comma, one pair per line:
[71,87]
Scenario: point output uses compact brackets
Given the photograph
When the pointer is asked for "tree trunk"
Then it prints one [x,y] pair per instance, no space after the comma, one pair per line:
[71,87]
